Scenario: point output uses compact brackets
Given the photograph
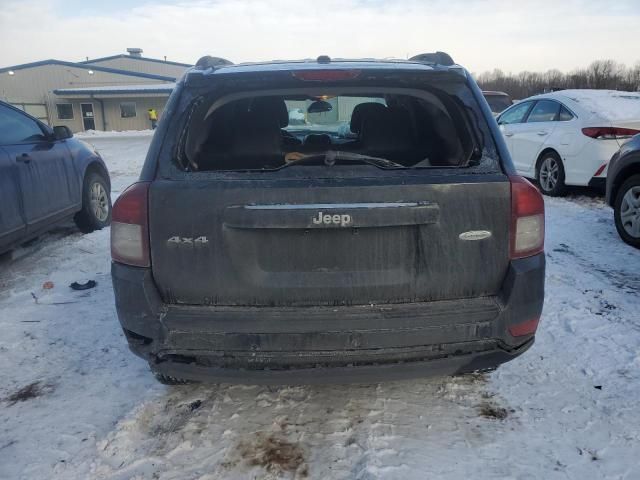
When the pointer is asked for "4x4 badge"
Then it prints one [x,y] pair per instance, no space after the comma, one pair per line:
[187,241]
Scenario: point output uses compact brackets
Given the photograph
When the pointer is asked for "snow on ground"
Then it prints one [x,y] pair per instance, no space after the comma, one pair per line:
[91,135]
[76,404]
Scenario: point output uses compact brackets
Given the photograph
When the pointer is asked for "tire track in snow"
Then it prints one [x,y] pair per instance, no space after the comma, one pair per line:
[561,421]
[394,430]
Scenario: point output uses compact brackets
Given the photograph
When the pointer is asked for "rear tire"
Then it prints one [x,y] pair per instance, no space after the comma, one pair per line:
[626,211]
[96,204]
[550,175]
[169,380]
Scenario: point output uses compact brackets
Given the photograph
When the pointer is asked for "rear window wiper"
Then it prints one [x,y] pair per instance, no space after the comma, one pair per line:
[331,157]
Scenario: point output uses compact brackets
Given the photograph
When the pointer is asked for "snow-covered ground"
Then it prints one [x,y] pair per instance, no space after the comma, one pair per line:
[76,404]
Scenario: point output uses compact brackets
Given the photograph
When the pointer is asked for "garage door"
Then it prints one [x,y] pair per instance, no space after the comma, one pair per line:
[34,109]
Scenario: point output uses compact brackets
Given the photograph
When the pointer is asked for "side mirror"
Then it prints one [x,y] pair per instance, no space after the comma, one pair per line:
[62,132]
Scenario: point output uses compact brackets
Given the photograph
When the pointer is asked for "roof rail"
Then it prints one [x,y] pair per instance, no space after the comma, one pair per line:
[437,58]
[211,62]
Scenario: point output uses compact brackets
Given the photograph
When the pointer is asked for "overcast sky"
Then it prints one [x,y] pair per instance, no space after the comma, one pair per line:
[479,34]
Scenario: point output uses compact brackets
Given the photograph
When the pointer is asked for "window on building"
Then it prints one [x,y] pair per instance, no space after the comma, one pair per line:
[128,110]
[65,111]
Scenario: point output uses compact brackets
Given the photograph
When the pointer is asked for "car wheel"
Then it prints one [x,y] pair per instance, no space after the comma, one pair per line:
[169,380]
[550,175]
[96,204]
[626,211]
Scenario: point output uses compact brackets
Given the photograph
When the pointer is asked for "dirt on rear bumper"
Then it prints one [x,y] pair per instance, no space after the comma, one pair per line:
[363,372]
[296,345]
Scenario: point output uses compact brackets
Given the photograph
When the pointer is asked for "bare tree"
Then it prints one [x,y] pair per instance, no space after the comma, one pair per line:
[600,74]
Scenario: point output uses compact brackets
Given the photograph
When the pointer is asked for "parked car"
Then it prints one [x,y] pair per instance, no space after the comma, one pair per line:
[567,137]
[253,252]
[47,176]
[623,191]
[498,101]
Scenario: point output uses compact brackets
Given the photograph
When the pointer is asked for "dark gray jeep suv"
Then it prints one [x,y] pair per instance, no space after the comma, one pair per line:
[327,221]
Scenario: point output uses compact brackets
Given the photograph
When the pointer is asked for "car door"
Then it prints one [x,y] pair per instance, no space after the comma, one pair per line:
[45,174]
[511,122]
[12,224]
[567,133]
[531,136]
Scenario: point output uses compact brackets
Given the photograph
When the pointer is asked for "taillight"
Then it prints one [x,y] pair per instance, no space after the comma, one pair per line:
[525,328]
[609,133]
[527,219]
[326,75]
[130,226]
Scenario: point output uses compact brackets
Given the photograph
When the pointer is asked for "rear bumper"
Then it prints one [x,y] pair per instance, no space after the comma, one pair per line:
[598,183]
[297,345]
[456,364]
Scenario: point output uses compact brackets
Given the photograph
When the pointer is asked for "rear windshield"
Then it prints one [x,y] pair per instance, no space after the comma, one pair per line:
[498,103]
[385,128]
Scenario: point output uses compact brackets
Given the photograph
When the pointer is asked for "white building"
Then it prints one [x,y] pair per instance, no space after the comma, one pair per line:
[110,93]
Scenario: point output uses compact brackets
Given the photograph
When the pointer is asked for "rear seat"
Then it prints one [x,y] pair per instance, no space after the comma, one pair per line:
[251,135]
[362,111]
[387,133]
[251,138]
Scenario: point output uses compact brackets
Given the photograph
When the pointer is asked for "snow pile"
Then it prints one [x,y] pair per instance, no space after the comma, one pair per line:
[89,134]
[76,404]
[296,117]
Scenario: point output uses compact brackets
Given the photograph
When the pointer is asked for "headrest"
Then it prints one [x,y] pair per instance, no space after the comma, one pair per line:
[363,110]
[271,107]
[256,134]
[385,131]
[317,140]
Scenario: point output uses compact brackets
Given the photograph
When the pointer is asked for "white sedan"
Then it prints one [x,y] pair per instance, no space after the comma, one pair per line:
[568,137]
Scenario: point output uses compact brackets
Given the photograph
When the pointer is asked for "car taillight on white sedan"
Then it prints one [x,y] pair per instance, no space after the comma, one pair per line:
[130,226]
[609,133]
[527,219]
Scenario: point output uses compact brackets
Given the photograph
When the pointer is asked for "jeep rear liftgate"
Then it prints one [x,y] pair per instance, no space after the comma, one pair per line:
[279,240]
[346,221]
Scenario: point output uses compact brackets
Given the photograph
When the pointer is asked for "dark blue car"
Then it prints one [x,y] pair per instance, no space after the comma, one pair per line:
[47,176]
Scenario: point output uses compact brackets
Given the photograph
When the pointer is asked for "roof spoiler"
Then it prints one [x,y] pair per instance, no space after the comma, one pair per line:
[437,58]
[211,62]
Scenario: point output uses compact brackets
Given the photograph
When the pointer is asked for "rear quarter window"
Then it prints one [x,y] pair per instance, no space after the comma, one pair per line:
[565,115]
